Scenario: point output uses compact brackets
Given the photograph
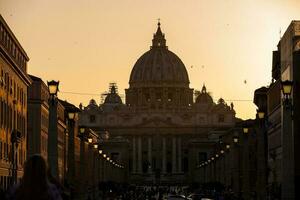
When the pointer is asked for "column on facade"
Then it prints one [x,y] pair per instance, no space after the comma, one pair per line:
[164,155]
[174,154]
[133,155]
[149,155]
[179,161]
[139,155]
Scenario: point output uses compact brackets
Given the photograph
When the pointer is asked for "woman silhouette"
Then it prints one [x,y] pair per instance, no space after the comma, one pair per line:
[34,184]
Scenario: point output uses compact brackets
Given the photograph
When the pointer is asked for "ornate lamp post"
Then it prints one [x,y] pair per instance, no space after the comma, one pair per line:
[245,162]
[83,138]
[53,131]
[262,149]
[71,149]
[287,139]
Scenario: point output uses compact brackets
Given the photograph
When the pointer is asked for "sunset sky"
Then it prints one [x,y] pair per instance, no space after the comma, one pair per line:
[86,44]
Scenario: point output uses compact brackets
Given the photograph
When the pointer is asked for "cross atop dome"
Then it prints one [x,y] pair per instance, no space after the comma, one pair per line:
[158,38]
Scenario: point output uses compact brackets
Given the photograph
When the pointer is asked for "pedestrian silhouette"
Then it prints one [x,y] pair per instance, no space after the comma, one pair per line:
[34,184]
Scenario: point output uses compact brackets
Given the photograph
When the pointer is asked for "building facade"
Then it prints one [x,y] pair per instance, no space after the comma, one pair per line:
[62,143]
[166,132]
[14,82]
[283,115]
[38,117]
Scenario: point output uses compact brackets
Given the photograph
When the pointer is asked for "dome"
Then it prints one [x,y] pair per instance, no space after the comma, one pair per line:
[92,104]
[159,66]
[204,97]
[113,97]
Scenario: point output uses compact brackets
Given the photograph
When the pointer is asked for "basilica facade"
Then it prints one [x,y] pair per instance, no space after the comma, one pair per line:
[164,129]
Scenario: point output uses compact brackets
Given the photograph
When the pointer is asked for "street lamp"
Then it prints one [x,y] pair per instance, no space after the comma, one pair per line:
[71,144]
[217,155]
[90,140]
[53,87]
[81,130]
[287,142]
[245,130]
[71,115]
[260,114]
[235,139]
[227,146]
[53,121]
[100,151]
[286,87]
[222,151]
[82,136]
[95,146]
[104,155]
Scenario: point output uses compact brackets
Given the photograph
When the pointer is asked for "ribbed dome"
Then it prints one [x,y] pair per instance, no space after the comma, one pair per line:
[159,66]
[204,98]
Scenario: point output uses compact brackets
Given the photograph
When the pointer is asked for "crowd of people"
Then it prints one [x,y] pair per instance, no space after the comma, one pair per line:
[38,183]
[129,192]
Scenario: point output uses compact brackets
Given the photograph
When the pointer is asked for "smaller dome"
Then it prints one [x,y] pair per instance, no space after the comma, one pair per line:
[204,97]
[113,97]
[93,102]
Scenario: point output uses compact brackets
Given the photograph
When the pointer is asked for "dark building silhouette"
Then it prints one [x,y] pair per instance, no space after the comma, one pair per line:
[163,131]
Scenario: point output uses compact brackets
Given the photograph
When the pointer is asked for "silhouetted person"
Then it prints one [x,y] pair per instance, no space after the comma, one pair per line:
[34,184]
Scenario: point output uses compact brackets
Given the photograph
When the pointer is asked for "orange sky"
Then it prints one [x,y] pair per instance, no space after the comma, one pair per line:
[88,43]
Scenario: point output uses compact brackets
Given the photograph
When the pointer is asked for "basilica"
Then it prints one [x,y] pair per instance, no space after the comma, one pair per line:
[164,129]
